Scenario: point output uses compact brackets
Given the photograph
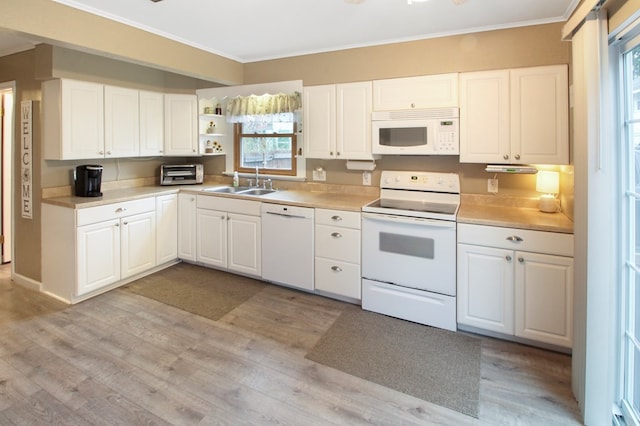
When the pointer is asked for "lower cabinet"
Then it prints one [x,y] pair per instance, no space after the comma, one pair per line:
[337,253]
[187,227]
[228,234]
[167,228]
[516,283]
[87,250]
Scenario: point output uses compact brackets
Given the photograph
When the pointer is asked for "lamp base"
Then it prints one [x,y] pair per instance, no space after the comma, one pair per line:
[548,204]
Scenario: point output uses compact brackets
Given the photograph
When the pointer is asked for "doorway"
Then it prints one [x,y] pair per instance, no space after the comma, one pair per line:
[7,114]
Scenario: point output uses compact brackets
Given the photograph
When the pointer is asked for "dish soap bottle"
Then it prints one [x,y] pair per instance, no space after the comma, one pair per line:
[236,179]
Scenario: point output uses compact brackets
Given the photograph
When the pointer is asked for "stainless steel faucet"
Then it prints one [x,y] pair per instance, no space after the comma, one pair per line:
[257,177]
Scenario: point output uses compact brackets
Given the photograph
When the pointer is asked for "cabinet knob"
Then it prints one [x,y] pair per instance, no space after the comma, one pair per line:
[108,152]
[338,153]
[101,152]
[336,269]
[517,156]
[514,239]
[331,153]
[413,105]
[193,150]
[337,218]
[117,225]
[521,259]
[125,223]
[336,235]
[506,156]
[508,258]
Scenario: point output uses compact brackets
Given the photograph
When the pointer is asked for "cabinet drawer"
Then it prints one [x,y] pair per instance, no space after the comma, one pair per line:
[338,278]
[516,239]
[114,211]
[338,243]
[338,218]
[231,205]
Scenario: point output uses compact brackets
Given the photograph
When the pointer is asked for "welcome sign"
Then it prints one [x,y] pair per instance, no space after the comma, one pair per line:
[26,189]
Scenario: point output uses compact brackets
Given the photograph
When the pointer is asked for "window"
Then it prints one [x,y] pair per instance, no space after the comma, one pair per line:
[266,142]
[630,240]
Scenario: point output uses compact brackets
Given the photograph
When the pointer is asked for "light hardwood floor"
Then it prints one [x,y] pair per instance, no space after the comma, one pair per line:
[123,359]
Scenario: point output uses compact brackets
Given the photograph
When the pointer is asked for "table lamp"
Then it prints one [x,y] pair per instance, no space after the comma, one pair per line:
[548,183]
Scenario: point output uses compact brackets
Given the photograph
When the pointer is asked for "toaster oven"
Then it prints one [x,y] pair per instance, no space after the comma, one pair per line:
[181,174]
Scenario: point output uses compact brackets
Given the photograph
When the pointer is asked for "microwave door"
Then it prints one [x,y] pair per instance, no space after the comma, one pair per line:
[402,138]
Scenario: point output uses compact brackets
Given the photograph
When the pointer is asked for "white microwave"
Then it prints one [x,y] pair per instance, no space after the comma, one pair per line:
[433,131]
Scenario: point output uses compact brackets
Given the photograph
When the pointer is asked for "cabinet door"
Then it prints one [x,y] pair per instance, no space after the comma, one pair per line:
[485,117]
[138,243]
[244,244]
[353,121]
[166,228]
[485,288]
[180,125]
[540,115]
[98,247]
[319,129]
[429,91]
[121,126]
[151,123]
[211,238]
[544,298]
[187,227]
[82,118]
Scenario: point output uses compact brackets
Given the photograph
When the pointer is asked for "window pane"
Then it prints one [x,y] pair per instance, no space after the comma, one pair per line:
[636,383]
[266,152]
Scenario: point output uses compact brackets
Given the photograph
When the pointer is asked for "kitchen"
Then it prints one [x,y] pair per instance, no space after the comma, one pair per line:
[518,48]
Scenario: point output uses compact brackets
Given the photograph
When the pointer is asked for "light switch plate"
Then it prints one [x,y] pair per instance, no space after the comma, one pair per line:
[366,178]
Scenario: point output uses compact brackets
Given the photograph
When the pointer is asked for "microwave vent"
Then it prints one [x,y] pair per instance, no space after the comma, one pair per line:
[416,114]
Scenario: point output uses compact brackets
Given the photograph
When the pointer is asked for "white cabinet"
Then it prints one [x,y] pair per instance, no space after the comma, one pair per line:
[89,250]
[73,119]
[187,227]
[121,122]
[429,91]
[180,125]
[151,123]
[337,121]
[228,234]
[518,116]
[337,253]
[167,228]
[516,282]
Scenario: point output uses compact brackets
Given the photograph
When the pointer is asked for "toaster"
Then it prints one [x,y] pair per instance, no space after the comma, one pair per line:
[181,174]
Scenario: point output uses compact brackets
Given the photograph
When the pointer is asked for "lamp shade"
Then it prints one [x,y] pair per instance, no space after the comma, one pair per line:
[548,182]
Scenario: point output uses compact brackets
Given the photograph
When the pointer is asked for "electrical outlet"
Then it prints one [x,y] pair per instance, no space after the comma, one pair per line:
[366,178]
[492,186]
[319,174]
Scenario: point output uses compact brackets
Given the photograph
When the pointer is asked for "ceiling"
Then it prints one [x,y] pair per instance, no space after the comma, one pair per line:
[253,30]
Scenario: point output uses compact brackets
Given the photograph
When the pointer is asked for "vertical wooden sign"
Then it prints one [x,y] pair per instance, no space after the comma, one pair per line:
[26,188]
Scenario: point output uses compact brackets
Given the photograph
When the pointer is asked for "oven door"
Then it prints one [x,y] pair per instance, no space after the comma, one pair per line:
[410,252]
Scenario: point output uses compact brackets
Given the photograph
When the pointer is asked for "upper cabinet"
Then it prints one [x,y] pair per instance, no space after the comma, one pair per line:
[518,116]
[181,125]
[429,91]
[121,122]
[337,121]
[84,120]
[73,120]
[151,123]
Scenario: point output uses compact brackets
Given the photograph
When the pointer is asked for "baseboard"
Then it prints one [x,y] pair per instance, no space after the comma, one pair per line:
[26,282]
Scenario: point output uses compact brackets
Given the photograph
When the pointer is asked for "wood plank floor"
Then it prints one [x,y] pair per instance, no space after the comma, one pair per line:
[123,359]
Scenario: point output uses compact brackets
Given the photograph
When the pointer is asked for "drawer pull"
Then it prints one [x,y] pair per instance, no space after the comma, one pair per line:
[336,269]
[336,218]
[508,258]
[336,235]
[121,210]
[521,259]
[515,239]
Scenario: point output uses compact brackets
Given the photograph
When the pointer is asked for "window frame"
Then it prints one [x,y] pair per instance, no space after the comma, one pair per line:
[237,138]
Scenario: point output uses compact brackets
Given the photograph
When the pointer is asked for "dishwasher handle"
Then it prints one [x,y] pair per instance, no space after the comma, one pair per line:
[293,216]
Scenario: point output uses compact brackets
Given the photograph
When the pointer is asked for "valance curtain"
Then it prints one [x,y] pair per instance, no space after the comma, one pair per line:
[265,107]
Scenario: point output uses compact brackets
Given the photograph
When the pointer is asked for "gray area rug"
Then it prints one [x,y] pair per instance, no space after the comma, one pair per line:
[435,365]
[202,291]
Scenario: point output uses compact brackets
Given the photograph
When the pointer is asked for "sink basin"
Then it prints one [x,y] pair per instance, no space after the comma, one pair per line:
[257,191]
[228,189]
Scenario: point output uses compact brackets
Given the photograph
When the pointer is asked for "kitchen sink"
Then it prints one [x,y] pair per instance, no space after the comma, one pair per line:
[228,189]
[240,190]
[257,191]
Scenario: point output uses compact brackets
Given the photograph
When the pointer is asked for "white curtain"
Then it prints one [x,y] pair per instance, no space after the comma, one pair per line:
[267,107]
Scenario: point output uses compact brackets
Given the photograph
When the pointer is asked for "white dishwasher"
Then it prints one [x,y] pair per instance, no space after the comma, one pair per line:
[287,245]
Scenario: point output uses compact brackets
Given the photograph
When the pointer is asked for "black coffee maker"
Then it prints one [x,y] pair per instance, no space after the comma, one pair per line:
[88,179]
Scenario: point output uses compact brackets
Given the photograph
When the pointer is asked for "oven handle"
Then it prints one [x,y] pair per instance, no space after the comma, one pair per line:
[409,220]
